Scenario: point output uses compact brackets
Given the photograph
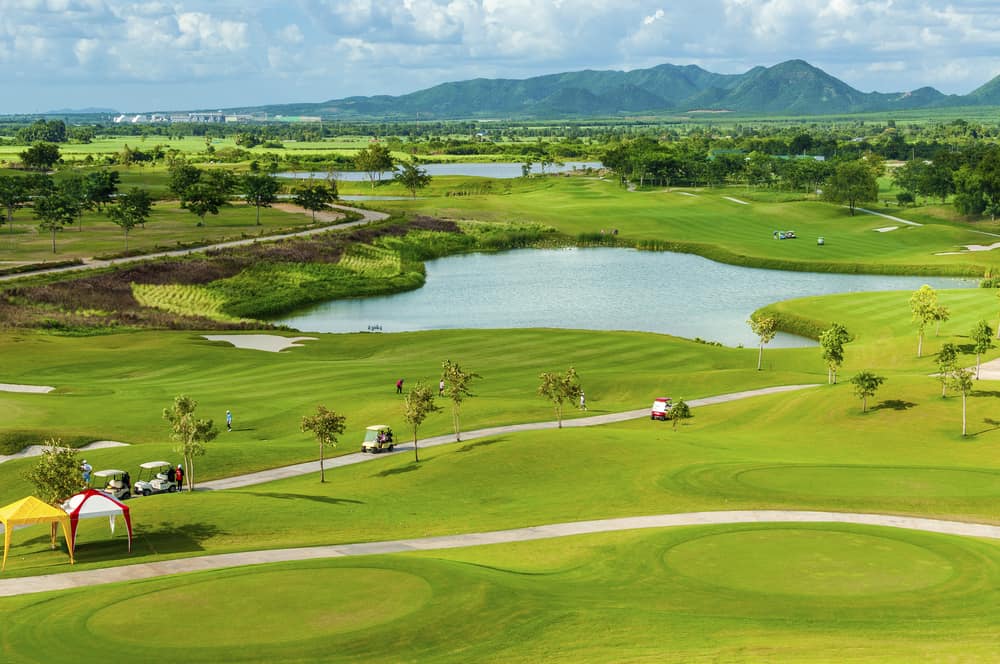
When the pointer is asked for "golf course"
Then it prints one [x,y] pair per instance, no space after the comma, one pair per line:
[752,589]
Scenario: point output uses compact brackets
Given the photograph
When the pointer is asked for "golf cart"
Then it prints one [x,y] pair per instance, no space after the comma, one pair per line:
[661,406]
[117,483]
[378,437]
[155,477]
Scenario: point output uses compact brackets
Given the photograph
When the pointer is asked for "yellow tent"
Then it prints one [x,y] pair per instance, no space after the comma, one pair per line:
[28,512]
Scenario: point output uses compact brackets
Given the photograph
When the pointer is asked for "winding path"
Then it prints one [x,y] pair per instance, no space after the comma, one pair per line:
[89,578]
[368,216]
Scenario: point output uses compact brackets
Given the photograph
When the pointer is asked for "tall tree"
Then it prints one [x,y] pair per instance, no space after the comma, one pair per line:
[412,177]
[832,341]
[559,388]
[54,211]
[56,474]
[457,389]
[374,160]
[15,192]
[924,308]
[260,190]
[947,364]
[961,382]
[765,327]
[315,196]
[982,339]
[326,425]
[851,183]
[866,385]
[418,404]
[190,434]
[130,210]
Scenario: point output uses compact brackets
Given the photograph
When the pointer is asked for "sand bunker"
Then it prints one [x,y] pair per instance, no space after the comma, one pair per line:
[271,343]
[686,193]
[735,200]
[886,229]
[36,450]
[32,389]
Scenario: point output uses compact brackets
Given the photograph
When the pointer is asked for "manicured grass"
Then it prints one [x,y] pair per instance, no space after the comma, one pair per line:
[811,593]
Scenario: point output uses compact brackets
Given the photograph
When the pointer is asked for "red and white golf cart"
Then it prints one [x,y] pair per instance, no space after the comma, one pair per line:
[661,407]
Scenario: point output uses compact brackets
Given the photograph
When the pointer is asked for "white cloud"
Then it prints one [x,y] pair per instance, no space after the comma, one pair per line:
[653,18]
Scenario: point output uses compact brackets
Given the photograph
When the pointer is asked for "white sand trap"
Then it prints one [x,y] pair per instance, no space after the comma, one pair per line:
[983,247]
[686,193]
[271,343]
[36,450]
[32,389]
[735,200]
[886,229]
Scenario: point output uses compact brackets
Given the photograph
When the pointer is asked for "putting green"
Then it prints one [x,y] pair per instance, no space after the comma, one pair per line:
[815,563]
[265,607]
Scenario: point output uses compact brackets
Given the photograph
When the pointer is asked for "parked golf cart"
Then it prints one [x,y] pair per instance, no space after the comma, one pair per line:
[117,483]
[661,406]
[155,477]
[378,437]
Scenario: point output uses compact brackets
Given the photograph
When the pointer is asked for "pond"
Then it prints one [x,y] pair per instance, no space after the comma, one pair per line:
[503,171]
[597,289]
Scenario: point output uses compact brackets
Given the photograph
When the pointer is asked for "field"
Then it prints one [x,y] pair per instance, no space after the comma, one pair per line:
[753,592]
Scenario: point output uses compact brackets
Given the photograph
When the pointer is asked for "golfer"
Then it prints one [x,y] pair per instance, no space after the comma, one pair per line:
[229,420]
[583,401]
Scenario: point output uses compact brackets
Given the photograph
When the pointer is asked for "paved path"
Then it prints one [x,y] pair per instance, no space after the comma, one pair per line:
[887,216]
[368,216]
[357,457]
[37,584]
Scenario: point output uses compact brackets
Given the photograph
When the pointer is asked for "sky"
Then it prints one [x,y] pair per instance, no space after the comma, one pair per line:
[215,54]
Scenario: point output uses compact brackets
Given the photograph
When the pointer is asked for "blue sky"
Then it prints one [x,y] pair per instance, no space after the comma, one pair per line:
[187,54]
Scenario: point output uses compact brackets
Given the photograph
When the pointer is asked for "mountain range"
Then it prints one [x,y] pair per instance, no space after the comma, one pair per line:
[794,87]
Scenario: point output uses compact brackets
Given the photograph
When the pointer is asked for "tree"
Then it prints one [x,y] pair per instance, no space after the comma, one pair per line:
[102,187]
[832,342]
[202,198]
[14,193]
[866,384]
[982,338]
[374,160]
[412,177]
[326,425]
[961,381]
[941,314]
[419,403]
[56,475]
[851,183]
[679,411]
[182,177]
[54,211]
[456,389]
[315,196]
[40,156]
[924,308]
[947,363]
[130,210]
[559,388]
[764,327]
[75,188]
[260,190]
[190,434]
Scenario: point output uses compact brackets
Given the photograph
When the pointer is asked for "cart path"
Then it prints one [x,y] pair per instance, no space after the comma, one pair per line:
[368,216]
[238,481]
[36,584]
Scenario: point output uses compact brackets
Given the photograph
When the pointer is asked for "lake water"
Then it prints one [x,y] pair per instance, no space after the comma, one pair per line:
[597,289]
[503,171]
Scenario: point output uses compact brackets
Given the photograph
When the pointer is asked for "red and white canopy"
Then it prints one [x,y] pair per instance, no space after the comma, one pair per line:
[90,504]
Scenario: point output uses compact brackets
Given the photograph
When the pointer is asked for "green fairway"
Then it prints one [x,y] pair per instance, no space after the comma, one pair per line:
[790,593]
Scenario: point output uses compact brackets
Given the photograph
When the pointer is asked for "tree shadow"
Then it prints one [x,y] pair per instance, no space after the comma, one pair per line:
[894,404]
[984,393]
[168,537]
[408,468]
[486,442]
[993,425]
[328,500]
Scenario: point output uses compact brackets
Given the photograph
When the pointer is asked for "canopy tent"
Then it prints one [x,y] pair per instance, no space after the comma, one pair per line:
[28,512]
[90,504]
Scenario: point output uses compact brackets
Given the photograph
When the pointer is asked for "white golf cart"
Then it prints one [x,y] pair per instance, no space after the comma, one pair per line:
[117,483]
[661,408]
[155,477]
[378,437]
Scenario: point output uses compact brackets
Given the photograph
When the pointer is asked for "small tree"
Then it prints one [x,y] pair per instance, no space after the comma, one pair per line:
[947,363]
[866,385]
[960,380]
[41,156]
[56,474]
[315,196]
[924,307]
[326,425]
[832,342]
[14,193]
[764,327]
[941,315]
[260,190]
[203,198]
[456,389]
[679,411]
[54,211]
[412,177]
[130,210]
[182,177]
[982,338]
[190,434]
[419,403]
[559,388]
[851,183]
[374,160]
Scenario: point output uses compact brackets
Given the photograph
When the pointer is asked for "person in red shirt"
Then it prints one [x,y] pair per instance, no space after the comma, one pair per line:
[179,477]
